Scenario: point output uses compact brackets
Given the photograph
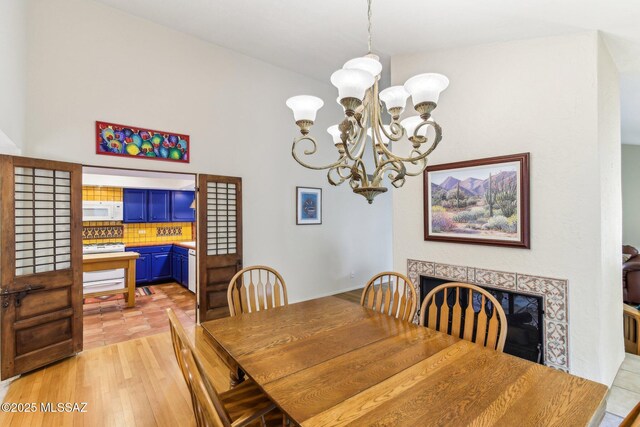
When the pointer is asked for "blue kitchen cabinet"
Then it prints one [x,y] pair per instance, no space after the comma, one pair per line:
[180,265]
[185,271]
[159,206]
[181,210]
[160,266]
[143,265]
[176,267]
[134,205]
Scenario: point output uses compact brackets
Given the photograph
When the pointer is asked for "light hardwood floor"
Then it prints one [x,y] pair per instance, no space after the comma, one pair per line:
[133,383]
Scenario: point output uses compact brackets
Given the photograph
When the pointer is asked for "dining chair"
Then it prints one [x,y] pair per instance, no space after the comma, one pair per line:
[631,329]
[633,418]
[237,407]
[392,294]
[465,311]
[256,288]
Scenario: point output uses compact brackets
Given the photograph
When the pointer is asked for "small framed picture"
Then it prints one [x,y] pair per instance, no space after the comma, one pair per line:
[308,205]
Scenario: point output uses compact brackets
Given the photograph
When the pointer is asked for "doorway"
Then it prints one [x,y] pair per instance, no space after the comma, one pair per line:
[151,214]
[43,264]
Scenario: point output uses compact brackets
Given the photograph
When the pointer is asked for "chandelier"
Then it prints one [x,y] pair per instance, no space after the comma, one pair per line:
[363,127]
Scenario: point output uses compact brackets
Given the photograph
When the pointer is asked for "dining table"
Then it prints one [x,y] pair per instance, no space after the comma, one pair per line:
[330,362]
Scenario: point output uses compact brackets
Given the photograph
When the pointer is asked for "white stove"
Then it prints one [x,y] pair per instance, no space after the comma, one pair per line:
[104,280]
[101,248]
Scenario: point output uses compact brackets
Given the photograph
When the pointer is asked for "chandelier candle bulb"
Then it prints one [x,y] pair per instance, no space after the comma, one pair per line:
[395,99]
[304,109]
[334,131]
[352,83]
[369,64]
[426,88]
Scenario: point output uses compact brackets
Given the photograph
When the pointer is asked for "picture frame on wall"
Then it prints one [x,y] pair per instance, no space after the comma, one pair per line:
[482,201]
[308,205]
[114,139]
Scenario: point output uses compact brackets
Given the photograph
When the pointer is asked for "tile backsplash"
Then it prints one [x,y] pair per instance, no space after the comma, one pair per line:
[133,234]
[101,194]
[130,234]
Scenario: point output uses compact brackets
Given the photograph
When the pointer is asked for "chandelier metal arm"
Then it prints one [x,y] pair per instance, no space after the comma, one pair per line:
[417,137]
[311,152]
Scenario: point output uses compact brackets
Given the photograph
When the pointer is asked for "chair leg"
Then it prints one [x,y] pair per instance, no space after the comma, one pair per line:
[236,376]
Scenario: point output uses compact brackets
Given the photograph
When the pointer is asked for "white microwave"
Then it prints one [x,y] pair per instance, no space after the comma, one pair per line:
[101,211]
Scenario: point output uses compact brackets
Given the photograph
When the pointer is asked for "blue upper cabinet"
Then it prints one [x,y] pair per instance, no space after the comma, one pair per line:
[181,210]
[159,206]
[134,205]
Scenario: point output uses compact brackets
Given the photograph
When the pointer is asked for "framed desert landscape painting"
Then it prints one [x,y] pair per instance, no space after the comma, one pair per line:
[484,201]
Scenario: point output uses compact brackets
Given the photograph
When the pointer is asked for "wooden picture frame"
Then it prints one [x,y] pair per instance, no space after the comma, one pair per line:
[308,206]
[482,202]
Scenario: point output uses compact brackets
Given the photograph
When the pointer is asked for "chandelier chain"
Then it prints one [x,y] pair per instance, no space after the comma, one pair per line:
[369,23]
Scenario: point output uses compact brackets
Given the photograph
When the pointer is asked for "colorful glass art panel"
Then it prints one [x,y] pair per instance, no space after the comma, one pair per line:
[120,140]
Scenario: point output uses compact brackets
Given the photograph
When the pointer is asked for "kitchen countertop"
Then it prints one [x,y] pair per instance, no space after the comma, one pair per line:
[110,256]
[188,245]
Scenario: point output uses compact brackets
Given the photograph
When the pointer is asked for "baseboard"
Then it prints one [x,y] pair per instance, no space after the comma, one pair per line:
[327,294]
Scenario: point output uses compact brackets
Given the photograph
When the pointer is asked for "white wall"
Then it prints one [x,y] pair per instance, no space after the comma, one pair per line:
[13,42]
[631,195]
[88,62]
[547,97]
[609,155]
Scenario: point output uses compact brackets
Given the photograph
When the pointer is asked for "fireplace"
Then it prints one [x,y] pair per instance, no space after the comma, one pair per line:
[552,300]
[524,317]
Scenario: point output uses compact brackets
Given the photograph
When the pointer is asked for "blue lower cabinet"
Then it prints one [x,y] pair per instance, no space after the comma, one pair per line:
[176,267]
[161,263]
[160,266]
[143,266]
[185,271]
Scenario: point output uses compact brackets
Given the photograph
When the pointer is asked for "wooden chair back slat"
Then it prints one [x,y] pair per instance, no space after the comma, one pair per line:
[398,305]
[469,317]
[443,322]
[403,308]
[207,406]
[487,327]
[262,305]
[457,315]
[278,288]
[392,294]
[481,330]
[387,296]
[492,333]
[266,289]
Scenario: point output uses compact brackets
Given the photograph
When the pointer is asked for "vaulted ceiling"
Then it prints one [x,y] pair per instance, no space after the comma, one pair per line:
[315,37]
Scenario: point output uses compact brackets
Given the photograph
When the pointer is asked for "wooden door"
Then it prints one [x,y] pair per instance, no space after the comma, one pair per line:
[219,241]
[41,261]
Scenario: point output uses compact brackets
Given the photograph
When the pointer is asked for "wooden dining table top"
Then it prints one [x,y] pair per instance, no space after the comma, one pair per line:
[330,362]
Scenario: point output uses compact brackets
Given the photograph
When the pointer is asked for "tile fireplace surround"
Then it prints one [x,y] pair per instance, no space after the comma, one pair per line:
[553,293]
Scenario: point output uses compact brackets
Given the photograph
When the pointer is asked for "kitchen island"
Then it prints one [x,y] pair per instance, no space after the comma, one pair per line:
[111,261]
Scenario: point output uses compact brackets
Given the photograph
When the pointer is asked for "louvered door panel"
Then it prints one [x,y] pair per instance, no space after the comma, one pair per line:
[41,262]
[219,241]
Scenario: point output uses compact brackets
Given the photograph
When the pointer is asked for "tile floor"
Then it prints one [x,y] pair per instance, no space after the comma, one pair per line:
[110,322]
[625,392]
